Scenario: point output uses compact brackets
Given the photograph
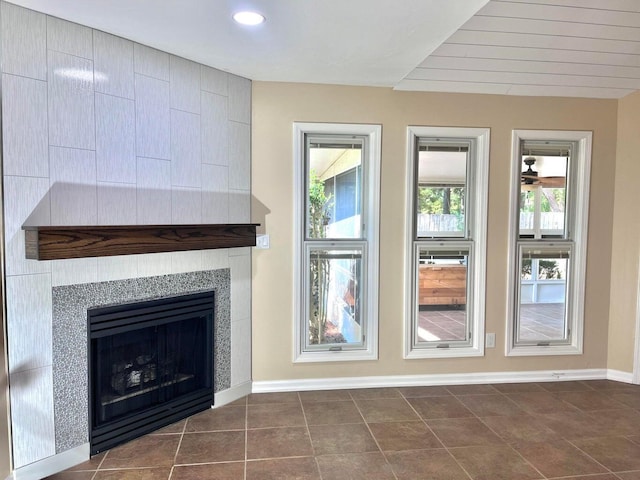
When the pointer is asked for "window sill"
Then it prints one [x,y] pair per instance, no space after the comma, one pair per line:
[338,356]
[535,350]
[461,352]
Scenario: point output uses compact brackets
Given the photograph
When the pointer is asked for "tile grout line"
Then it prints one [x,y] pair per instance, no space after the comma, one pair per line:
[306,423]
[424,421]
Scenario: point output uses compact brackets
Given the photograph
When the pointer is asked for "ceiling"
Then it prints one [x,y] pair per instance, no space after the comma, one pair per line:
[583,48]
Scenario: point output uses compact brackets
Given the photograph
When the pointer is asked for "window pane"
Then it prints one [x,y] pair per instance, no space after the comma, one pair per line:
[335,303]
[442,296]
[334,186]
[543,196]
[542,310]
[441,191]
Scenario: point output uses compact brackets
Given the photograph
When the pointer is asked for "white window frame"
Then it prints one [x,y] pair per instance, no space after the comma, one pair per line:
[371,222]
[578,216]
[476,222]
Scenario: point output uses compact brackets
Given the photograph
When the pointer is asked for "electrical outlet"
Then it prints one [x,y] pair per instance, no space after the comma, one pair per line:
[491,340]
[262,241]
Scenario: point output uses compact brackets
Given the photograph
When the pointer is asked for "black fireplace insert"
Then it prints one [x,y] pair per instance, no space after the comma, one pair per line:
[150,365]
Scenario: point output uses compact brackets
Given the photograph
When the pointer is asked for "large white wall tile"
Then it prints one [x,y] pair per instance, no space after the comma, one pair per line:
[239,156]
[29,319]
[24,127]
[153,118]
[153,195]
[215,259]
[113,63]
[214,80]
[116,204]
[32,419]
[185,84]
[74,270]
[151,62]
[239,206]
[24,41]
[215,194]
[26,201]
[185,149]
[186,205]
[239,99]
[116,268]
[215,129]
[115,139]
[240,352]
[73,192]
[69,37]
[240,286]
[182,262]
[71,112]
[152,264]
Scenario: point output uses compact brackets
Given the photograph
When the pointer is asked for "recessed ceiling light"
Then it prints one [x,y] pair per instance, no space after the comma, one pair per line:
[248,18]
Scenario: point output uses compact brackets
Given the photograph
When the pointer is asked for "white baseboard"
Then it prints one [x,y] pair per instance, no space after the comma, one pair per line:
[619,376]
[54,464]
[435,379]
[231,394]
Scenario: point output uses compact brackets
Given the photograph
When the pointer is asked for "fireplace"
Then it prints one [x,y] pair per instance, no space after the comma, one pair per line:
[150,364]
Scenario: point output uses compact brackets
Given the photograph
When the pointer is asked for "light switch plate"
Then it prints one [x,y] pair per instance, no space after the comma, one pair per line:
[262,241]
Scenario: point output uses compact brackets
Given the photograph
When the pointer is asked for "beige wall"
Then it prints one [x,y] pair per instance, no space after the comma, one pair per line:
[626,237]
[277,105]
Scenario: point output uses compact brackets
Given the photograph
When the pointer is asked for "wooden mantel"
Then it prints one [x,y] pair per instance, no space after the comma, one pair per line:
[54,243]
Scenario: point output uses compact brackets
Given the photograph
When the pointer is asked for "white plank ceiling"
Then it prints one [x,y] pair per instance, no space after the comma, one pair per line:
[579,48]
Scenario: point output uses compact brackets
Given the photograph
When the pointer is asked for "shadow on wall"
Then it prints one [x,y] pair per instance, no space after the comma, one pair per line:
[259,212]
[76,204]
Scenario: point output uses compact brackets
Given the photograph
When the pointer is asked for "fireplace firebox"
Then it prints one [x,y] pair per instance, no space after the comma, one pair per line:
[150,364]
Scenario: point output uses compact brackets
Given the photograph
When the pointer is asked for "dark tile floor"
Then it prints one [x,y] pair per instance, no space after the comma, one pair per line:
[587,430]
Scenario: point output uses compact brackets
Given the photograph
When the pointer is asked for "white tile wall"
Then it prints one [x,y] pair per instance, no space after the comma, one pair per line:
[32,426]
[116,204]
[116,268]
[115,139]
[71,99]
[240,351]
[151,62]
[186,205]
[214,80]
[239,99]
[74,196]
[215,259]
[101,130]
[185,149]
[29,314]
[240,286]
[152,264]
[26,201]
[154,181]
[239,156]
[73,271]
[182,262]
[153,118]
[113,60]
[185,84]
[239,206]
[24,128]
[215,129]
[215,194]
[69,37]
[24,42]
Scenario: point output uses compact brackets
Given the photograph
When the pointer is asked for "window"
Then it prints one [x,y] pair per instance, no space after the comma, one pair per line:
[337,174]
[446,241]
[548,242]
